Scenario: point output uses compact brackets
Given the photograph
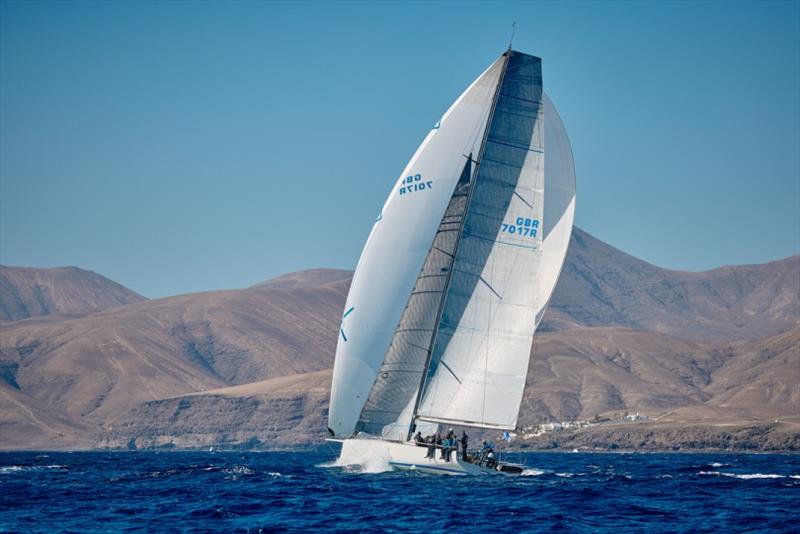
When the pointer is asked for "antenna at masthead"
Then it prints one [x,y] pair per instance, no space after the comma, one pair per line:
[513,30]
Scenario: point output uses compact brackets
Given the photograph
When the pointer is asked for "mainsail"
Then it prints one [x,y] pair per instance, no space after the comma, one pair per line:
[459,266]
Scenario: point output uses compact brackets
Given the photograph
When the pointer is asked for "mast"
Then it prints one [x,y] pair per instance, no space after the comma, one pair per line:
[446,288]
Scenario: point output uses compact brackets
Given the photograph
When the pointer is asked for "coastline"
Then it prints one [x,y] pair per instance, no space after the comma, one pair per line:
[643,437]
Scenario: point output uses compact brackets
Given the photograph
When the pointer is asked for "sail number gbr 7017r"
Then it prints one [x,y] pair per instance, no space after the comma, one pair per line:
[411,184]
[523,227]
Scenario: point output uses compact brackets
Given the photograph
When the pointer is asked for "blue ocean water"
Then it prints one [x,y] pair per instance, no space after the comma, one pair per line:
[301,491]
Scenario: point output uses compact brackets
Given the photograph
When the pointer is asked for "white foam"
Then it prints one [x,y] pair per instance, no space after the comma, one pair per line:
[12,469]
[8,469]
[531,472]
[565,475]
[759,475]
[794,476]
[355,461]
[238,470]
[745,476]
[717,464]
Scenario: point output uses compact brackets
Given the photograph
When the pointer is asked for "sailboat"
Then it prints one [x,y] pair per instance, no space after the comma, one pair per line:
[456,275]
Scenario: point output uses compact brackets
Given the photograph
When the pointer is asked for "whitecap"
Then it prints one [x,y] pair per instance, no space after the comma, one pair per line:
[531,472]
[565,475]
[8,469]
[356,461]
[238,470]
[12,469]
[745,476]
[274,474]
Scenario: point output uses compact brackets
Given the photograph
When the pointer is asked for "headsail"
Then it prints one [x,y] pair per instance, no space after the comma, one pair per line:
[402,370]
[398,246]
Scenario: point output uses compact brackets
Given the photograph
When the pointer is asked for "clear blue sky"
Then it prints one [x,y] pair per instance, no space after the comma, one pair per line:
[178,147]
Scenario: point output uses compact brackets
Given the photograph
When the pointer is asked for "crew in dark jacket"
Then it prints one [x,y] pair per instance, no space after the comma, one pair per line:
[431,446]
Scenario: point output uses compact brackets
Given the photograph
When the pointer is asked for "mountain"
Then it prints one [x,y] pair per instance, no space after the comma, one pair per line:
[581,373]
[576,374]
[603,286]
[28,423]
[97,365]
[620,335]
[279,412]
[28,292]
[763,373]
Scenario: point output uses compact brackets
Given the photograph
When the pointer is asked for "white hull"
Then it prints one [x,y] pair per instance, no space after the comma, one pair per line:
[406,456]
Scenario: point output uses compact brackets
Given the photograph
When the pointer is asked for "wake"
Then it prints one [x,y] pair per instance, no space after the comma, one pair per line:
[353,462]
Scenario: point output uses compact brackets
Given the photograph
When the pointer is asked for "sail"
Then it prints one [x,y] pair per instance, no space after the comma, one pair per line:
[398,246]
[480,357]
[386,411]
[559,203]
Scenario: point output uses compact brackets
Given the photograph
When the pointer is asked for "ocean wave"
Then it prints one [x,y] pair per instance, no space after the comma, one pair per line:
[286,482]
[360,465]
[744,476]
[6,469]
[157,474]
[358,461]
[238,470]
[9,469]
